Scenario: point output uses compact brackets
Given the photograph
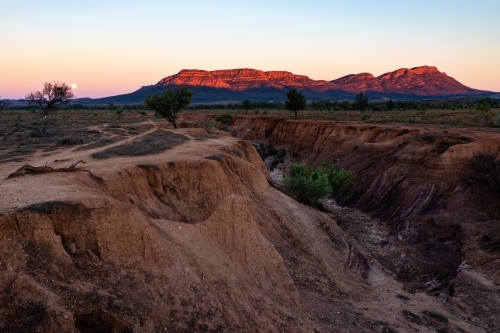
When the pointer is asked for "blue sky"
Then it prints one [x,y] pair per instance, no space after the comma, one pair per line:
[112,47]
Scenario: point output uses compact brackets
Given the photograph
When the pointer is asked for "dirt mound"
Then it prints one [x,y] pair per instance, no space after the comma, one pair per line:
[180,242]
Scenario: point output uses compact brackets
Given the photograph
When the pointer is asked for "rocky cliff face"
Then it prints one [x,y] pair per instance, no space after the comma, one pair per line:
[244,79]
[423,81]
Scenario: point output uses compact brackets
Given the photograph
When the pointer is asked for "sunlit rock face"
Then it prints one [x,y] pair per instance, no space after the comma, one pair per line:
[244,79]
[424,81]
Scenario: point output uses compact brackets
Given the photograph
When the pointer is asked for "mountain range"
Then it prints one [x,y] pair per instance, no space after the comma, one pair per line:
[422,81]
[235,85]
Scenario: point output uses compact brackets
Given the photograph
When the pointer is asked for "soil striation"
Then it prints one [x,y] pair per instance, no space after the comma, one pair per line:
[440,229]
[192,238]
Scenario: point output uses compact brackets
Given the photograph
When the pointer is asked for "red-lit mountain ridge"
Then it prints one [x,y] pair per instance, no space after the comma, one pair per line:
[423,81]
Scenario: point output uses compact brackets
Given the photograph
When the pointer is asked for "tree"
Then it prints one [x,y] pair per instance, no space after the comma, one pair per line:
[246,105]
[390,105]
[484,108]
[3,105]
[361,101]
[295,101]
[50,98]
[170,103]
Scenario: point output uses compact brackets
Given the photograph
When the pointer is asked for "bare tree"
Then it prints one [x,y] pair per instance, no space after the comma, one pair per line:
[51,97]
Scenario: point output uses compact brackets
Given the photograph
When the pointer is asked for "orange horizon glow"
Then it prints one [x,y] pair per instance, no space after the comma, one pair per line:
[124,83]
[113,48]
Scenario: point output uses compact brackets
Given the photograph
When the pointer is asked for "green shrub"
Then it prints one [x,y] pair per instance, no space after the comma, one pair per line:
[312,185]
[309,186]
[209,126]
[339,178]
[224,118]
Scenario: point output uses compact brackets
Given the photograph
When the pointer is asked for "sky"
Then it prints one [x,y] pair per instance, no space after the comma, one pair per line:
[111,47]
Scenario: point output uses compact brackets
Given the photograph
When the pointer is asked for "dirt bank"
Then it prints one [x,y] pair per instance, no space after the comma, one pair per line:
[189,239]
[441,230]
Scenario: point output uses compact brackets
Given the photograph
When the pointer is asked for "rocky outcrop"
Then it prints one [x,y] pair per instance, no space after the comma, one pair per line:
[245,79]
[423,81]
[359,82]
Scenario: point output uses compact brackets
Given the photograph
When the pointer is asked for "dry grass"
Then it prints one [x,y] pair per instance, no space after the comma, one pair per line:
[463,117]
[151,143]
[71,127]
[68,127]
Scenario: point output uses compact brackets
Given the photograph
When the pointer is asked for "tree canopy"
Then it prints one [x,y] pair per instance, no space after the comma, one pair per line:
[390,105]
[2,104]
[170,103]
[246,105]
[361,101]
[295,101]
[51,97]
[484,108]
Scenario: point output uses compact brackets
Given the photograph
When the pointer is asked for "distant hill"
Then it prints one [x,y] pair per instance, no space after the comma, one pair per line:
[234,85]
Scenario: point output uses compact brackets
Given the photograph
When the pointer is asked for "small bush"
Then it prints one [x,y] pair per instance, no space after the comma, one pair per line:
[209,126]
[69,141]
[311,185]
[224,118]
[338,178]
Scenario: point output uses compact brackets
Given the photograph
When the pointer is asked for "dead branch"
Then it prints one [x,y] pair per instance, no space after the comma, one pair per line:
[33,170]
[72,166]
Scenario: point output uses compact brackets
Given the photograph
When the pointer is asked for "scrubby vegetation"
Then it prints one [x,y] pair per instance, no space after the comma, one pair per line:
[269,150]
[225,120]
[486,169]
[312,185]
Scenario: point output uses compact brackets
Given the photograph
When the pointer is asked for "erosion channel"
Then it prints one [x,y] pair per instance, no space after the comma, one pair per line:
[191,234]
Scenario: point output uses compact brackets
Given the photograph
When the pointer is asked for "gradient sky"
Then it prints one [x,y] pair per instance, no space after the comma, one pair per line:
[111,47]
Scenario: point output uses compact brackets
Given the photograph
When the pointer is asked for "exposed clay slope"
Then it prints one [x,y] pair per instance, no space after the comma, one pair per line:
[442,233]
[423,81]
[189,240]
